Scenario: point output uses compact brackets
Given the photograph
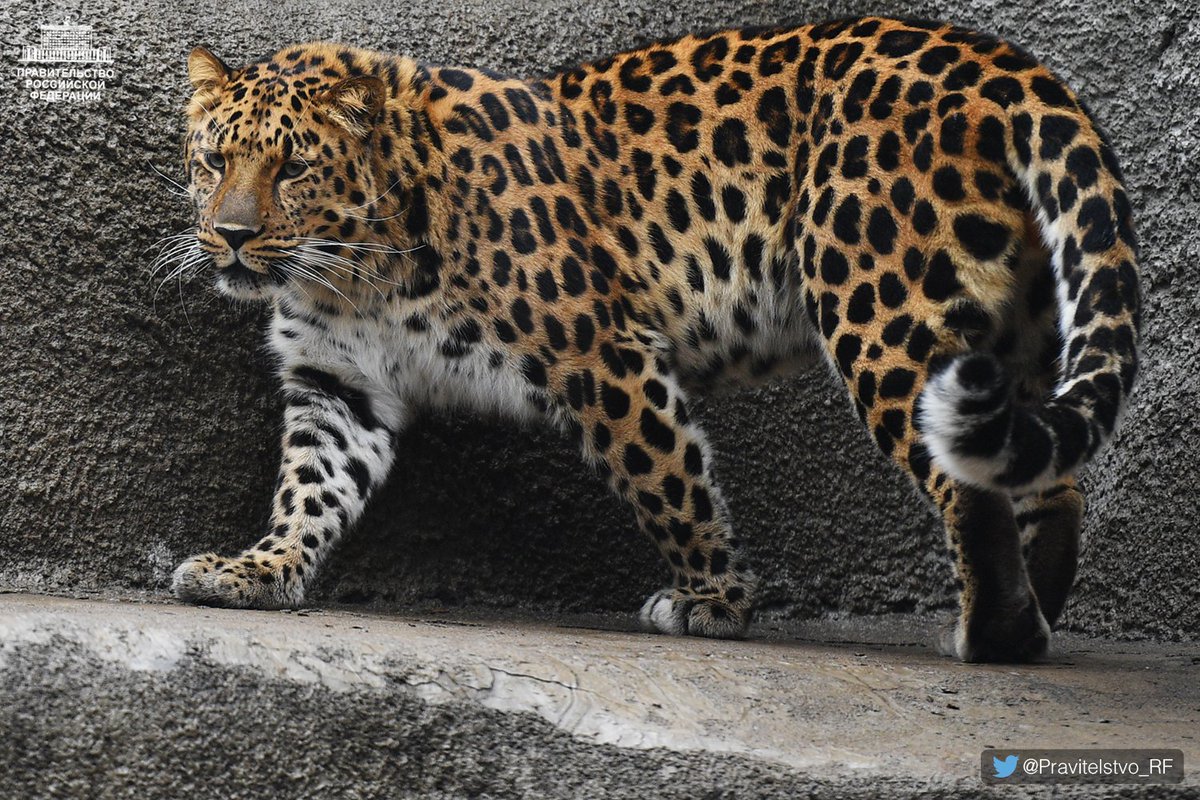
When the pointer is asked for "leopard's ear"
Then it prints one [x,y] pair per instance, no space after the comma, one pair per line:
[354,103]
[205,70]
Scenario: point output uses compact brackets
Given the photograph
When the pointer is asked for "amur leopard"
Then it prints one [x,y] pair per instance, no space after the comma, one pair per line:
[924,208]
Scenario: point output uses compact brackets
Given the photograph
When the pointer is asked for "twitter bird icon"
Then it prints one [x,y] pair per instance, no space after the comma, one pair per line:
[1004,767]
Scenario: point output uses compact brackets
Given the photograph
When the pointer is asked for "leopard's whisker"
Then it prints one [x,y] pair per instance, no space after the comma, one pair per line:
[343,270]
[180,255]
[377,198]
[171,255]
[366,218]
[323,281]
[356,266]
[183,191]
[378,247]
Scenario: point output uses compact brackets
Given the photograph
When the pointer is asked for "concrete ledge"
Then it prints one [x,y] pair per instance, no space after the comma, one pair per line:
[119,699]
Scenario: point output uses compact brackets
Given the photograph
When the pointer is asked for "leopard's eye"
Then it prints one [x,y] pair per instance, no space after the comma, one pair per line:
[292,169]
[214,161]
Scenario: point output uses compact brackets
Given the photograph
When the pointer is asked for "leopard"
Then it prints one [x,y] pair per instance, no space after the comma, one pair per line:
[926,210]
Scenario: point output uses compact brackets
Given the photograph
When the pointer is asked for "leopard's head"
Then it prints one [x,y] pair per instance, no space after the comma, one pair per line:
[278,158]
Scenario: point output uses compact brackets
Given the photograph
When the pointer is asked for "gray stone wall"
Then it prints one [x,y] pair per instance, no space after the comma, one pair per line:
[138,424]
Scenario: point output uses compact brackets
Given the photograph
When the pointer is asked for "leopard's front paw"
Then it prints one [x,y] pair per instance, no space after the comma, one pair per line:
[243,582]
[678,614]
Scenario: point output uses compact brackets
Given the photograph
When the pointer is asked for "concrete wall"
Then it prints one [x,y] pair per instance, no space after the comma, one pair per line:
[137,425]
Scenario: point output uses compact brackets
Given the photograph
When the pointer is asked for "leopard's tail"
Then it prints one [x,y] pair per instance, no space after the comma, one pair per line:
[972,424]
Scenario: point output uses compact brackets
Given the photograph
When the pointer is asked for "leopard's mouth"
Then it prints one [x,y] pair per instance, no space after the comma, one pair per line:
[239,270]
[238,280]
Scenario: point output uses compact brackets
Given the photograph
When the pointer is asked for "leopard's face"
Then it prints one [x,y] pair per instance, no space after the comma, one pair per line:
[277,156]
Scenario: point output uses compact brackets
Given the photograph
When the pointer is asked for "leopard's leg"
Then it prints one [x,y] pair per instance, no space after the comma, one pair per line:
[337,446]
[1050,523]
[885,338]
[632,418]
[999,617]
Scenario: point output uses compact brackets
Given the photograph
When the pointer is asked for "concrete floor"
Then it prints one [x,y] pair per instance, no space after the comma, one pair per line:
[149,699]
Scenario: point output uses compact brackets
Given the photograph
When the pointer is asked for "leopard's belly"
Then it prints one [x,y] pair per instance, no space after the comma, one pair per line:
[744,334]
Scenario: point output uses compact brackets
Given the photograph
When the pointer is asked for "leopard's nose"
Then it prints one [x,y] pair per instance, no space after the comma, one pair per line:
[237,235]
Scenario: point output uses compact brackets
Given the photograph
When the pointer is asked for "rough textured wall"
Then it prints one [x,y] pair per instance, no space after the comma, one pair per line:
[138,425]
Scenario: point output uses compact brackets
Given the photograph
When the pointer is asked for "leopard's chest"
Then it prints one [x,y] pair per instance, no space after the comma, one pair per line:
[417,364]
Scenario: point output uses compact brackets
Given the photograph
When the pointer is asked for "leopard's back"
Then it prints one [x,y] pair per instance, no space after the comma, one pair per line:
[904,194]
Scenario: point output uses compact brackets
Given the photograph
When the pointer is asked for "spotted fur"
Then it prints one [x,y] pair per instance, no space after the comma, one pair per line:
[925,208]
